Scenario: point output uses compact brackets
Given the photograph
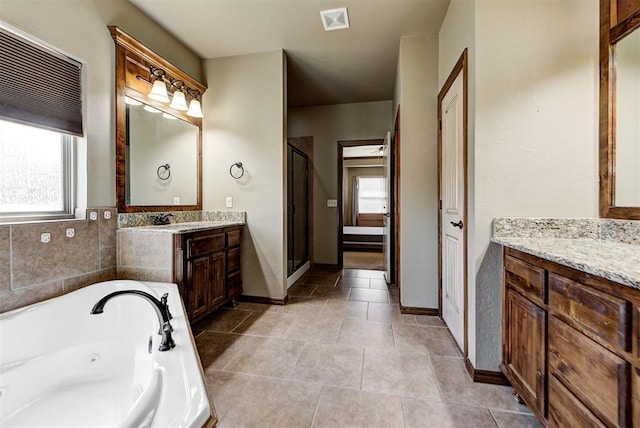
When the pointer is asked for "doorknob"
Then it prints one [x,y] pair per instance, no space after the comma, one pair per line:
[458,224]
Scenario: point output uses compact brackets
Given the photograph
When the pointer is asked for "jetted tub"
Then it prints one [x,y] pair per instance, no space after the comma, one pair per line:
[62,366]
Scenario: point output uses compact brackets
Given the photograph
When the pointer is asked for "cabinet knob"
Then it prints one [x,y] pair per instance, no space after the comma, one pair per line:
[539,374]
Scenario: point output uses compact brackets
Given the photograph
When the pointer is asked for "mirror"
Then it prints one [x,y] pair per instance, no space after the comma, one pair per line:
[627,122]
[161,158]
[158,148]
[620,109]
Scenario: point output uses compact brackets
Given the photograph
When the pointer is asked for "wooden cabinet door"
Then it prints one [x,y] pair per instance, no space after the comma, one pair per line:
[217,291]
[199,278]
[525,348]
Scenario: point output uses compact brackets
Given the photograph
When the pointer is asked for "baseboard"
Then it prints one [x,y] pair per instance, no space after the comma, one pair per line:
[486,376]
[265,300]
[432,312]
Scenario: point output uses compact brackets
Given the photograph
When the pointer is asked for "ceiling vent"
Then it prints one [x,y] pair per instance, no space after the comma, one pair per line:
[335,19]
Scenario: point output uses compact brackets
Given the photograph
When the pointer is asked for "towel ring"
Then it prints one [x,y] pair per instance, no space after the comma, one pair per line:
[240,167]
[164,171]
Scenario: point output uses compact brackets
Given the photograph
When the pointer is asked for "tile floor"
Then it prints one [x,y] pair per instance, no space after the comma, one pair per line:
[341,354]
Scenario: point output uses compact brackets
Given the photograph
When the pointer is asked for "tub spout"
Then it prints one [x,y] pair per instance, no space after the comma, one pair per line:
[160,306]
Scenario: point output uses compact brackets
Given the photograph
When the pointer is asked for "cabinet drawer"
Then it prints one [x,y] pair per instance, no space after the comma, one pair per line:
[597,377]
[565,410]
[205,244]
[525,278]
[606,316]
[233,238]
[233,259]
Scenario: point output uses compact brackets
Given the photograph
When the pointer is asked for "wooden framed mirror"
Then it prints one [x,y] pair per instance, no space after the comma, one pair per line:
[158,148]
[620,109]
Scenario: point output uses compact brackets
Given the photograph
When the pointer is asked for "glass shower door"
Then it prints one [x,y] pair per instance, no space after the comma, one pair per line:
[298,209]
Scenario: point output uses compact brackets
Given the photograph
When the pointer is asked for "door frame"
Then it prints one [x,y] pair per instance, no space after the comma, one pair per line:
[460,67]
[341,146]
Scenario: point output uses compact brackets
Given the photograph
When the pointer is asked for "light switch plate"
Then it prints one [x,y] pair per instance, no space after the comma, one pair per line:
[93,215]
[176,200]
[107,215]
[332,203]
[229,202]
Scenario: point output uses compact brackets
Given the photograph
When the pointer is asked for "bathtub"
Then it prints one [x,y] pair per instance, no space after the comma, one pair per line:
[61,366]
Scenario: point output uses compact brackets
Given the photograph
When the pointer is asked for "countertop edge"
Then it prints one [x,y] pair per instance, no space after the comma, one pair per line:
[174,228]
[592,269]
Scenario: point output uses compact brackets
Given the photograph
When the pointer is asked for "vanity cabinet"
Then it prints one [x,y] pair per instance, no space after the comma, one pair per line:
[571,343]
[208,268]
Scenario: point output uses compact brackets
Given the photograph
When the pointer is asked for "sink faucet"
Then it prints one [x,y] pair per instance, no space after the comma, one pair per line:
[162,219]
[160,306]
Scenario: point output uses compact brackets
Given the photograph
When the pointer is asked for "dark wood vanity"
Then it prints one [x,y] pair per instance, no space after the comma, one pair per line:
[208,268]
[571,343]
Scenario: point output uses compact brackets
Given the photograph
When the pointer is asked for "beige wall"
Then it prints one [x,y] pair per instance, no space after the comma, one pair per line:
[328,125]
[244,116]
[416,93]
[535,131]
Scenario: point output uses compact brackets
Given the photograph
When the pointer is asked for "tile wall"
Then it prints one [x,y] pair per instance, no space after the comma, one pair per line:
[32,271]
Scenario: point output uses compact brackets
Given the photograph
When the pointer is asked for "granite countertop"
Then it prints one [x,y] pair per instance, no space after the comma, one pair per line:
[619,262]
[185,227]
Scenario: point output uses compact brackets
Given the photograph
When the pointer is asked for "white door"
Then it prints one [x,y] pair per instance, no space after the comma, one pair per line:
[452,194]
[386,230]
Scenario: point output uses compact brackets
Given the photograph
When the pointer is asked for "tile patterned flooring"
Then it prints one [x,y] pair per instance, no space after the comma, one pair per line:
[341,354]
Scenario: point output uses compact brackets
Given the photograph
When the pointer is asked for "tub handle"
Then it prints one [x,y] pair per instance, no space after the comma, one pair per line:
[150,346]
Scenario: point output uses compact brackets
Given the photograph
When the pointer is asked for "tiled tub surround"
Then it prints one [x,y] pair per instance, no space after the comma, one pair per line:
[32,271]
[146,218]
[602,247]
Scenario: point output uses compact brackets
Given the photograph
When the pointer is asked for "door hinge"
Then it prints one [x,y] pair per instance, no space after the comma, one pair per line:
[440,204]
[440,124]
[440,280]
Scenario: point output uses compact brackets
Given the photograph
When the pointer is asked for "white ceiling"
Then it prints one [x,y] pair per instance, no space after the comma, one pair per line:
[334,67]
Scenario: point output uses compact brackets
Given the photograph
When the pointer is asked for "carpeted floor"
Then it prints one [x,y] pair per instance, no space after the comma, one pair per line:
[363,260]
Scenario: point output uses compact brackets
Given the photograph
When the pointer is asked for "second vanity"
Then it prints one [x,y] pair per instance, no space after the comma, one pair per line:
[571,319]
[203,257]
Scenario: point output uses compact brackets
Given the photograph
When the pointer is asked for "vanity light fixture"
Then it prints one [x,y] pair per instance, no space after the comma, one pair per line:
[178,101]
[159,89]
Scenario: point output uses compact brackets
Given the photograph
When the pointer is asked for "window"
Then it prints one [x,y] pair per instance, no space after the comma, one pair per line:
[40,115]
[372,195]
[35,172]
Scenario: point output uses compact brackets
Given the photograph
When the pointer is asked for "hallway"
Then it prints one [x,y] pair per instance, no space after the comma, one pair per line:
[341,354]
